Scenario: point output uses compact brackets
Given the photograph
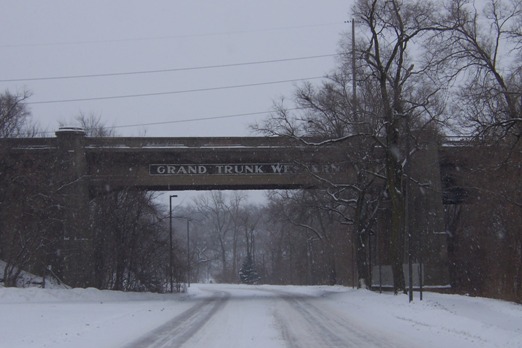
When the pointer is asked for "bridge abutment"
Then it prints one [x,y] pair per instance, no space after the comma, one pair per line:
[76,252]
[426,225]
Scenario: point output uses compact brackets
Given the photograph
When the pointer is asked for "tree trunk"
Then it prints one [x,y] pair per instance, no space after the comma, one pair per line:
[361,243]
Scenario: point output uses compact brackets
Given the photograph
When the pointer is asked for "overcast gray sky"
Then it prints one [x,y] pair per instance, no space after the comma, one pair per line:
[43,42]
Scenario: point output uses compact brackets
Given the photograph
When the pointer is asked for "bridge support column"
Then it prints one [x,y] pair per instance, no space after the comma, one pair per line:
[426,223]
[76,250]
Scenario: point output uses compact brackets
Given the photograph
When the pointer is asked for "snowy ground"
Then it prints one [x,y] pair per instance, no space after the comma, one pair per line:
[253,316]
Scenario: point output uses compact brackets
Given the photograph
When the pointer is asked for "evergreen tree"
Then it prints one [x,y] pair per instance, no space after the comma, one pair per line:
[247,272]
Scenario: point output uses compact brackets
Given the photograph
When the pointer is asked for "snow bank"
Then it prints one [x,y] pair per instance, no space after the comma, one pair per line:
[35,317]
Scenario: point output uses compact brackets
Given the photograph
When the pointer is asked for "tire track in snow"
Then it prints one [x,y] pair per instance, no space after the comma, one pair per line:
[180,329]
[303,324]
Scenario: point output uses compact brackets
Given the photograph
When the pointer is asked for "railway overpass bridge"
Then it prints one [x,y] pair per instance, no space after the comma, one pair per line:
[88,166]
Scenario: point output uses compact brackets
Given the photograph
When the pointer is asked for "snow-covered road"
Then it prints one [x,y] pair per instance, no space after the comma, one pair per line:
[186,325]
[253,316]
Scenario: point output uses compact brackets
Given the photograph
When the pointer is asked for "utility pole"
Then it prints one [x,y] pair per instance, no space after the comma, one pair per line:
[407,231]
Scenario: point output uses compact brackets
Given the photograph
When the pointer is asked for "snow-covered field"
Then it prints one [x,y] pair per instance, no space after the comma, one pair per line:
[252,316]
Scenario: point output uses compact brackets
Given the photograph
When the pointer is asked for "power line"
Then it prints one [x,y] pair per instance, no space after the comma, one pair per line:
[141,72]
[173,92]
[165,37]
[209,118]
[197,119]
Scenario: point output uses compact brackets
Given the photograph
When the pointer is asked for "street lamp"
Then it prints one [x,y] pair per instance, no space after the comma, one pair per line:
[188,253]
[171,256]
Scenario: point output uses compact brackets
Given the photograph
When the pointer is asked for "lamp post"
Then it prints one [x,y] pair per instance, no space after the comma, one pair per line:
[171,256]
[188,253]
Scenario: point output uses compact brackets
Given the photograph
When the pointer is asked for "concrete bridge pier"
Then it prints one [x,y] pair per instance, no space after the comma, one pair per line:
[76,251]
[426,215]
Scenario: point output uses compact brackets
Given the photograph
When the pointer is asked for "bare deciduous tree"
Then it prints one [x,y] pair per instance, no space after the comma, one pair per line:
[14,114]
[395,95]
[478,50]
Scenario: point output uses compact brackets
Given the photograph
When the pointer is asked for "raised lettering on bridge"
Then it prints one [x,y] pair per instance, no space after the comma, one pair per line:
[235,169]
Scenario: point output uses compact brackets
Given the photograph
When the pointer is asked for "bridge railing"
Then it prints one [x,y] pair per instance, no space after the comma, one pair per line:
[192,142]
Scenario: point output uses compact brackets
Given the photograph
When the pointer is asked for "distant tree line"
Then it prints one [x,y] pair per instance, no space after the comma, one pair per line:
[291,240]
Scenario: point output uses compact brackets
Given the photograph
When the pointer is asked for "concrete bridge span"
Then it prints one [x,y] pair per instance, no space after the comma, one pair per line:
[87,166]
